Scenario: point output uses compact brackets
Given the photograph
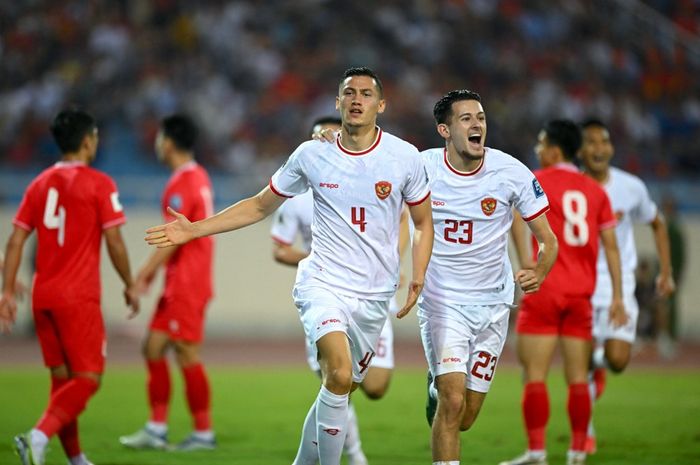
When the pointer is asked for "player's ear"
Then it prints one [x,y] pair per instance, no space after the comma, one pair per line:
[337,103]
[382,106]
[443,130]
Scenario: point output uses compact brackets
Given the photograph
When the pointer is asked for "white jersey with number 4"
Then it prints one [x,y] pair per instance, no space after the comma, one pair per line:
[358,198]
[631,204]
[472,216]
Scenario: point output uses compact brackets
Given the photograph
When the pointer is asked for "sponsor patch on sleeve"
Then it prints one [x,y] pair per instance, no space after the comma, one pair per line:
[537,189]
[175,202]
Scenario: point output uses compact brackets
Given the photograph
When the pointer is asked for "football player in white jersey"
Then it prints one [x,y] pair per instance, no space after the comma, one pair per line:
[344,286]
[293,220]
[631,204]
[469,286]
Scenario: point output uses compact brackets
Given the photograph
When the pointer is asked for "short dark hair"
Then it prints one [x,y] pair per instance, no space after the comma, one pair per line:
[181,130]
[442,111]
[564,134]
[593,122]
[69,128]
[363,71]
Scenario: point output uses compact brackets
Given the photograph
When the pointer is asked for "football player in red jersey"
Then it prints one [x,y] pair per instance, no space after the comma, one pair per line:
[560,312]
[178,321]
[71,206]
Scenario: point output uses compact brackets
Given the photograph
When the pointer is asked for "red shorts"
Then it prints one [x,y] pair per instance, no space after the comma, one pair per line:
[73,336]
[183,320]
[556,314]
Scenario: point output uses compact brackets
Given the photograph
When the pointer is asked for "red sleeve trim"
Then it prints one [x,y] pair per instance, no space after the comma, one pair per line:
[23,225]
[539,213]
[280,241]
[608,225]
[113,223]
[418,202]
[278,193]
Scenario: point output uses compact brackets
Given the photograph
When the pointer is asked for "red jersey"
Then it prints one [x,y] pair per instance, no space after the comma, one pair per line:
[578,209]
[189,271]
[69,205]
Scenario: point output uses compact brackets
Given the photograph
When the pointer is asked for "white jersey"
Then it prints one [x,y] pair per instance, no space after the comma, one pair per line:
[472,216]
[358,198]
[294,218]
[631,204]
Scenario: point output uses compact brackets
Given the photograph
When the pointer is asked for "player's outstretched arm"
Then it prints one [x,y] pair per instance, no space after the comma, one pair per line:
[530,280]
[618,317]
[120,260]
[13,256]
[239,215]
[665,286]
[422,216]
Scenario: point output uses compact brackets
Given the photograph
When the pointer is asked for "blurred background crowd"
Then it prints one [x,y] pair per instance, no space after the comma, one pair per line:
[255,73]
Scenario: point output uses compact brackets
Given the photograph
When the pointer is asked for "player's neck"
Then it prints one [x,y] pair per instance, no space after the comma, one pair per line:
[75,157]
[600,176]
[357,139]
[460,162]
[178,161]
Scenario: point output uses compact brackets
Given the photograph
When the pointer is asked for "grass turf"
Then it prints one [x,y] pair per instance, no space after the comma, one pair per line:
[645,417]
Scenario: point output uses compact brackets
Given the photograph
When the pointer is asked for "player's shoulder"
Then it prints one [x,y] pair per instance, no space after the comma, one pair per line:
[626,178]
[395,144]
[433,156]
[498,159]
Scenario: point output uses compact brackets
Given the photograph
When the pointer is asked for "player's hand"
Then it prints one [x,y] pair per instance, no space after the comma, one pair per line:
[414,290]
[174,233]
[528,280]
[618,317]
[131,297]
[324,135]
[8,312]
[665,286]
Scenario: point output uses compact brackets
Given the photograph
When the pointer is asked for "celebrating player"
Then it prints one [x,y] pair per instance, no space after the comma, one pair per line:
[561,310]
[71,206]
[344,286]
[178,321]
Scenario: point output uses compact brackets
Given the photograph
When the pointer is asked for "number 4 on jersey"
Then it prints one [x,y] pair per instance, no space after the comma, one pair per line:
[55,215]
[358,217]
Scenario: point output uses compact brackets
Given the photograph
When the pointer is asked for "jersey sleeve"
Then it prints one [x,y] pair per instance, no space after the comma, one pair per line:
[646,210]
[606,216]
[24,218]
[285,225]
[290,179]
[110,209]
[529,198]
[417,188]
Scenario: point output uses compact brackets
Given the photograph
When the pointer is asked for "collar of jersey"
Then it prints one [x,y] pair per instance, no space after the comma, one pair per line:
[566,165]
[363,152]
[463,173]
[69,164]
[187,166]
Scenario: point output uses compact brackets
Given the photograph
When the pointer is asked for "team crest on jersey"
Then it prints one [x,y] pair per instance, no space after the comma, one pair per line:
[382,189]
[488,206]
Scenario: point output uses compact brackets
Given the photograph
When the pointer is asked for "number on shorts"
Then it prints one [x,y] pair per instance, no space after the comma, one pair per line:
[366,361]
[358,217]
[55,215]
[381,348]
[575,207]
[485,367]
[465,234]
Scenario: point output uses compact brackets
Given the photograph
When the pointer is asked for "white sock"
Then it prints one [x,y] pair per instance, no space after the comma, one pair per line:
[79,459]
[331,425]
[38,441]
[161,429]
[592,390]
[599,360]
[352,445]
[206,435]
[308,447]
[447,462]
[539,453]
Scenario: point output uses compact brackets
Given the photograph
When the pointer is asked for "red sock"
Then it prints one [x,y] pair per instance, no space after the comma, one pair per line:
[536,413]
[198,396]
[69,433]
[599,380]
[579,407]
[66,404]
[158,389]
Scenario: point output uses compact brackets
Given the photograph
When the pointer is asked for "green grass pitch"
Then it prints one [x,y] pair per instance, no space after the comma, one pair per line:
[645,417]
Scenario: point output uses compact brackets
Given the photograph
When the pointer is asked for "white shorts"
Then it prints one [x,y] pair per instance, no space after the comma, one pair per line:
[463,338]
[323,311]
[604,330]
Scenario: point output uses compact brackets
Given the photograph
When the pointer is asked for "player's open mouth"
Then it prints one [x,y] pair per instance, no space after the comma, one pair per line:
[475,139]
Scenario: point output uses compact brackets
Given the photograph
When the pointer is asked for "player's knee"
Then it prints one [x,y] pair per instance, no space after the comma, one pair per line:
[338,380]
[92,376]
[451,403]
[617,362]
[467,422]
[375,392]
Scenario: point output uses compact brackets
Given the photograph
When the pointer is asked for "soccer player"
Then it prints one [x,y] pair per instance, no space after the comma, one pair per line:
[631,204]
[293,219]
[178,321]
[71,206]
[560,312]
[344,286]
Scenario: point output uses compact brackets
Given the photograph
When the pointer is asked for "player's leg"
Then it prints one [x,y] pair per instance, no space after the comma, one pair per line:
[376,382]
[448,418]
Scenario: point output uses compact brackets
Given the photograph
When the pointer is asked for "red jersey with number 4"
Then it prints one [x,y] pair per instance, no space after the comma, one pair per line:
[578,209]
[189,271]
[69,205]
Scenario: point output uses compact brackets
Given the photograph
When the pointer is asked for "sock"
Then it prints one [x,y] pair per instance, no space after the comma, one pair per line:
[331,423]
[579,407]
[69,433]
[158,388]
[352,445]
[157,428]
[198,396]
[599,375]
[449,462]
[598,358]
[308,447]
[79,459]
[38,441]
[66,404]
[536,413]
